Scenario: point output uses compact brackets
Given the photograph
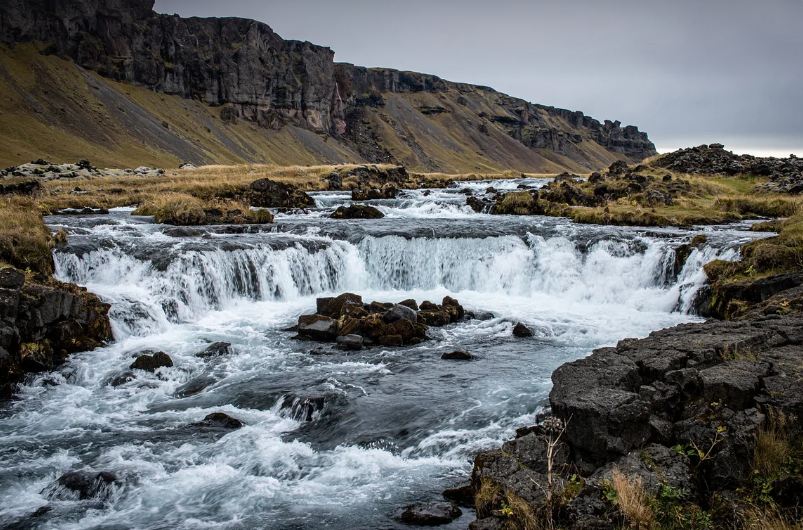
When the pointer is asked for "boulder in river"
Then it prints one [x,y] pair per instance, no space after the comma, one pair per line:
[357,211]
[429,514]
[84,484]
[317,327]
[152,362]
[366,194]
[346,319]
[457,355]
[522,331]
[220,420]
[350,342]
[216,349]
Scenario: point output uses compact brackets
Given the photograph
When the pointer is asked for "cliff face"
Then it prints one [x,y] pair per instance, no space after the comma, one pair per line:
[252,74]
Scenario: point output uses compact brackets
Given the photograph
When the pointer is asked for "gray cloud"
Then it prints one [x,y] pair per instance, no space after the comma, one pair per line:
[687,71]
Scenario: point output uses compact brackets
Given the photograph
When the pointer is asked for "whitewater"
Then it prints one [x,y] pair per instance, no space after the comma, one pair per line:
[330,439]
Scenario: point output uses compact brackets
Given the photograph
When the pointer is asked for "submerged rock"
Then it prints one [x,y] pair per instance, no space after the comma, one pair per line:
[429,514]
[220,420]
[216,349]
[350,342]
[458,355]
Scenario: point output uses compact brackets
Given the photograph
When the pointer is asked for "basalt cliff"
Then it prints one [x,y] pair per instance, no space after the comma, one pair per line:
[119,82]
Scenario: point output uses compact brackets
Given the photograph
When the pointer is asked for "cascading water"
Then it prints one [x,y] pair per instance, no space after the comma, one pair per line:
[330,439]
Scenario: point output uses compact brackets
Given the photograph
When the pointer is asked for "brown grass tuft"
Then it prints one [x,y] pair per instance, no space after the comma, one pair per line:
[773,449]
[186,210]
[25,241]
[633,501]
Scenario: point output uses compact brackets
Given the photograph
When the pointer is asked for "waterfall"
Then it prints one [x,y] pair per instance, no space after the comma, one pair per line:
[146,296]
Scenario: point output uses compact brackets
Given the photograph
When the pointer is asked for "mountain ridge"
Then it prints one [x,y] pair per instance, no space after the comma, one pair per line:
[242,71]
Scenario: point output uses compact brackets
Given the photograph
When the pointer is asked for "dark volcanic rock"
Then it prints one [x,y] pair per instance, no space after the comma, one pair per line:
[357,211]
[216,349]
[350,342]
[152,362]
[41,324]
[266,193]
[429,514]
[521,331]
[84,484]
[219,420]
[458,355]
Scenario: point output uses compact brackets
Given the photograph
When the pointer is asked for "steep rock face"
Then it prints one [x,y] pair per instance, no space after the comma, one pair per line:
[41,324]
[233,61]
[247,72]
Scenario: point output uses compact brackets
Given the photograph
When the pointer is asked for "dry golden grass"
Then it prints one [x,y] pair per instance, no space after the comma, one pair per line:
[519,514]
[186,210]
[486,497]
[773,447]
[25,241]
[633,500]
[768,519]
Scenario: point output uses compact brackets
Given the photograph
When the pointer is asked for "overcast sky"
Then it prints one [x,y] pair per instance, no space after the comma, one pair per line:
[685,71]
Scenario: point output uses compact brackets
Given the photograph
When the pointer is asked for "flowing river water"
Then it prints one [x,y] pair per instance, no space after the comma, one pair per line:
[332,440]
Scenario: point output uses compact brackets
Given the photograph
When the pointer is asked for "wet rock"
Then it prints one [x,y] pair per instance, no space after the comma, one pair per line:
[462,495]
[152,362]
[399,312]
[85,484]
[266,193]
[367,194]
[123,378]
[429,514]
[41,324]
[477,204]
[216,349]
[350,342]
[333,306]
[480,315]
[357,211]
[194,386]
[219,420]
[521,331]
[303,408]
[317,327]
[458,355]
[412,304]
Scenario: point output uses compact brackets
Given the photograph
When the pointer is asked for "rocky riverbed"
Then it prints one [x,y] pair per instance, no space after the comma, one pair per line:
[206,393]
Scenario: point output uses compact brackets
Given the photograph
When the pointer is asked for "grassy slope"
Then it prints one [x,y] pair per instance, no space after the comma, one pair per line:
[52,109]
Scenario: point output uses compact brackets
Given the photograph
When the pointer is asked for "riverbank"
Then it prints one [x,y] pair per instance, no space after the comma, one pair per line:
[696,426]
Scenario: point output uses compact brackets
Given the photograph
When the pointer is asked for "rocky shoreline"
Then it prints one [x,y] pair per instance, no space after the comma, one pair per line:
[700,422]
[42,323]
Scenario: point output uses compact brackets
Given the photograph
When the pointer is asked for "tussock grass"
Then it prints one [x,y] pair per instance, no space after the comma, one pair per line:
[186,210]
[25,241]
[773,449]
[633,500]
[486,498]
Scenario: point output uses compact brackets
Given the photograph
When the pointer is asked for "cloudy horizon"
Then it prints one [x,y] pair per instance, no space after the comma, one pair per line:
[685,72]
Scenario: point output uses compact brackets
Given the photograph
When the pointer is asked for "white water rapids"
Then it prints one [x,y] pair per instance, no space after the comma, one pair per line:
[386,427]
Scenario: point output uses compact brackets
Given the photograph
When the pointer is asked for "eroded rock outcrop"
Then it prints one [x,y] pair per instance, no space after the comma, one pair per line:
[42,323]
[353,324]
[684,415]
